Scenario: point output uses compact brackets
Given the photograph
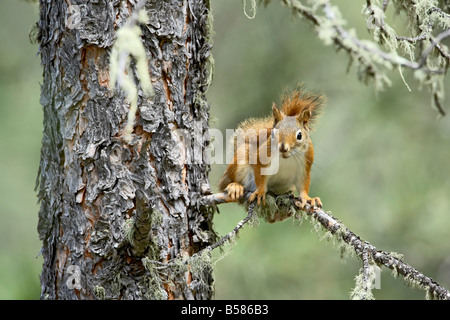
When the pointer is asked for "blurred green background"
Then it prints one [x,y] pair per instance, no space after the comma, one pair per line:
[382,159]
[20,139]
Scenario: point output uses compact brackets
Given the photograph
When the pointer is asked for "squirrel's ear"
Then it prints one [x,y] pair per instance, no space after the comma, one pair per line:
[278,115]
[304,116]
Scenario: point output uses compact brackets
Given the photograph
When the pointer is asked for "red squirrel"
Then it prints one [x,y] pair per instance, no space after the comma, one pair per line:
[281,141]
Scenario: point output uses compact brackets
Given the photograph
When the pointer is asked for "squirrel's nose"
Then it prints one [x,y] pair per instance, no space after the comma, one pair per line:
[284,147]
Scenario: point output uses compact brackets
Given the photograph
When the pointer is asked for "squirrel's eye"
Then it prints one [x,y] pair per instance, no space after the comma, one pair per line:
[299,135]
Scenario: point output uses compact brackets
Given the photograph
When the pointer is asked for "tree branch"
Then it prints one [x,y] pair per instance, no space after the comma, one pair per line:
[363,249]
[395,60]
[382,258]
[371,58]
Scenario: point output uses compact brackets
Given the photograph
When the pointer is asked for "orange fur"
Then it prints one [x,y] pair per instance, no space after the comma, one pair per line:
[303,104]
[297,113]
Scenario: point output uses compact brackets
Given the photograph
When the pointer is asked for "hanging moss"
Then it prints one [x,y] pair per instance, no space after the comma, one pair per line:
[129,44]
[277,208]
[155,288]
[128,230]
[364,284]
[200,266]
[253,6]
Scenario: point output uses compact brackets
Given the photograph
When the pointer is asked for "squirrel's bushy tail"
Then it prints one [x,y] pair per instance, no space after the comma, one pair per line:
[301,100]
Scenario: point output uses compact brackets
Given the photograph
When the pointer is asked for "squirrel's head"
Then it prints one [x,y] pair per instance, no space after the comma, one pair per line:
[294,121]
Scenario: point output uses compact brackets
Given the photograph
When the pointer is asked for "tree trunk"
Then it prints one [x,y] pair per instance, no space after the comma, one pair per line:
[113,212]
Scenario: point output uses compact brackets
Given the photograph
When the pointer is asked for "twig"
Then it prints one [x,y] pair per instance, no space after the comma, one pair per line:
[214,199]
[385,4]
[235,231]
[438,105]
[441,36]
[443,52]
[440,11]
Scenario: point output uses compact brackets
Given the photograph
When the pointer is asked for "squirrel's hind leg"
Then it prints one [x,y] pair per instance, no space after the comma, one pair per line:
[314,202]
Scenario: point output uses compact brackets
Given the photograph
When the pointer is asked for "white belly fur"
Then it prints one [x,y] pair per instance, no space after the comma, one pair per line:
[282,178]
[290,175]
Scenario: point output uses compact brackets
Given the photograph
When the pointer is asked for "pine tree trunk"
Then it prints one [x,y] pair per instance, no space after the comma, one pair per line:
[112,212]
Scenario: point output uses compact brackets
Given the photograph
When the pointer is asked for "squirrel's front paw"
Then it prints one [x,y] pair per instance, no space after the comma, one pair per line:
[259,195]
[234,191]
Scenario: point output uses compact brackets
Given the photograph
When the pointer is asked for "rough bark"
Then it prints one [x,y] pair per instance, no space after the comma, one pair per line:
[90,178]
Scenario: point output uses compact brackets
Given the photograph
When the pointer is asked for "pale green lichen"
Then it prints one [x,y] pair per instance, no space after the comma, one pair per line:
[153,249]
[411,282]
[414,283]
[389,49]
[428,294]
[128,230]
[199,266]
[100,292]
[155,287]
[346,250]
[253,6]
[116,284]
[396,255]
[156,217]
[403,78]
[276,208]
[129,44]
[269,210]
[394,271]
[364,283]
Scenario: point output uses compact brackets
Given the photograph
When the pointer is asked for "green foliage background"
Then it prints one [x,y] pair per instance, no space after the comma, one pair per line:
[382,159]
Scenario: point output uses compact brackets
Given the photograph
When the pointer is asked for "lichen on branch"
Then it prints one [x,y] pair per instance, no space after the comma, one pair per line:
[421,50]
